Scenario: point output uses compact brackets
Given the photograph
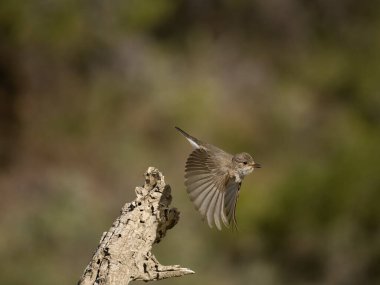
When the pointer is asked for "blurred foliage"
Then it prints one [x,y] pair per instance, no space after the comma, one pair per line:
[90,92]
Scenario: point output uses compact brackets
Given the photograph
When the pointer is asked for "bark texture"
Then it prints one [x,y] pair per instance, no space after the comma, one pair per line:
[124,252]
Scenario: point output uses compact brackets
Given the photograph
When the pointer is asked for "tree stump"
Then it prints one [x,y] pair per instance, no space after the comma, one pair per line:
[124,252]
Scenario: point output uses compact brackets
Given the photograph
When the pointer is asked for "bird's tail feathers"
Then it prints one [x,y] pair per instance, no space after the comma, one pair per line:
[193,141]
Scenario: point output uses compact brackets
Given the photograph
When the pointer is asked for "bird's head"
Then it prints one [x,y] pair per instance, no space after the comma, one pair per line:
[244,163]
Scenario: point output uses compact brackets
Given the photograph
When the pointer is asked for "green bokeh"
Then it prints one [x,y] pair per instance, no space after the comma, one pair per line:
[90,92]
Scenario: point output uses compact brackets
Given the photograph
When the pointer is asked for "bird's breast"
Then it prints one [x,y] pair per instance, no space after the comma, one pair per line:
[237,177]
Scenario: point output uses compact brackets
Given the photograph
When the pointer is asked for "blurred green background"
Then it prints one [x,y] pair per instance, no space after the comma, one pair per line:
[90,92]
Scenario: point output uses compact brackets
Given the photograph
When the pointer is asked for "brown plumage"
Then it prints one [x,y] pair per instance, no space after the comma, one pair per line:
[213,178]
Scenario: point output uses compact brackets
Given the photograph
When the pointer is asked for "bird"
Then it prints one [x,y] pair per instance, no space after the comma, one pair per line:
[213,179]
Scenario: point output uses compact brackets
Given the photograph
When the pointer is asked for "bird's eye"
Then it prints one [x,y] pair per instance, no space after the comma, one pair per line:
[245,163]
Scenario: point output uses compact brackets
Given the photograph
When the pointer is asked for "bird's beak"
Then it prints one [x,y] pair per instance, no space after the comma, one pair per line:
[256,165]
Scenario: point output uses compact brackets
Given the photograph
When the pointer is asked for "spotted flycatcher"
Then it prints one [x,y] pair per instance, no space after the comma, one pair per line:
[213,178]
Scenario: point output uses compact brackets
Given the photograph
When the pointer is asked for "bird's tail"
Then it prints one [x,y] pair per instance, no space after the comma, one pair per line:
[186,135]
[193,141]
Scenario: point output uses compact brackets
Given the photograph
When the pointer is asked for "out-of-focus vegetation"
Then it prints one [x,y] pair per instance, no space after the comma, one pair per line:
[90,92]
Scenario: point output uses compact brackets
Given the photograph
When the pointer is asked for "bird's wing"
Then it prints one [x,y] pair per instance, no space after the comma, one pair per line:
[230,201]
[210,187]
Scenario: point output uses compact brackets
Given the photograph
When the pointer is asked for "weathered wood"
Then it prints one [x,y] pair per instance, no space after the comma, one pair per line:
[124,252]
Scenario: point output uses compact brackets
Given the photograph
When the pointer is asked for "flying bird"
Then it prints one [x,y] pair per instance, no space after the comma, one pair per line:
[213,178]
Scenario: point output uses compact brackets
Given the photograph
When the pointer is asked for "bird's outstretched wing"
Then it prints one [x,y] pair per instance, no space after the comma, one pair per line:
[212,190]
